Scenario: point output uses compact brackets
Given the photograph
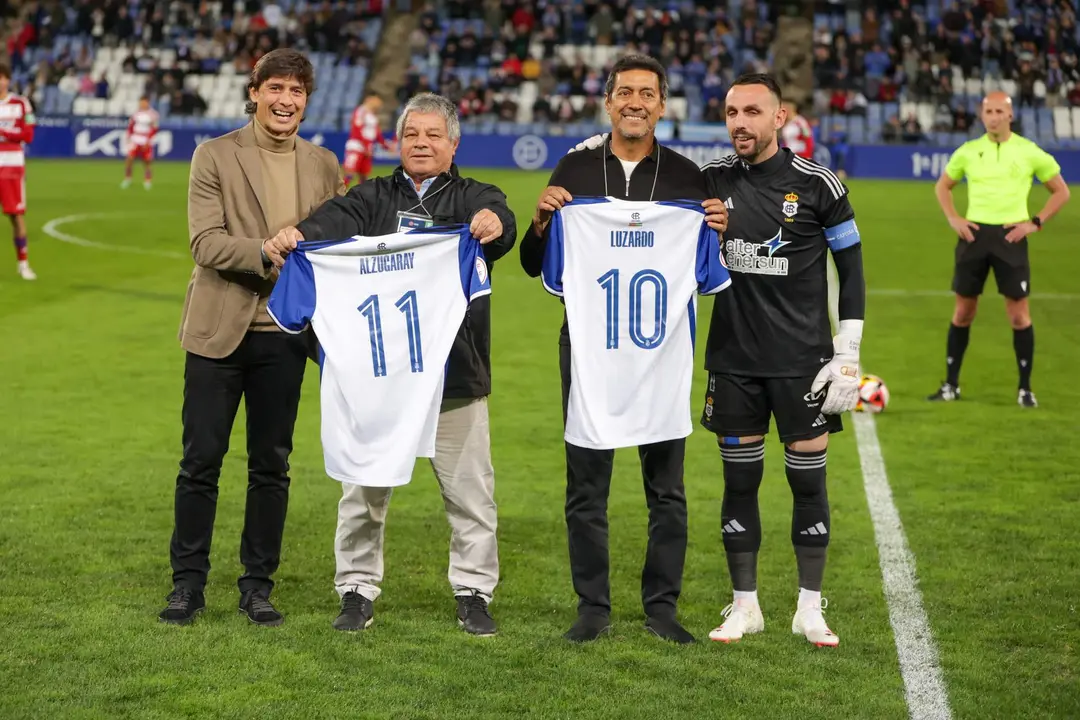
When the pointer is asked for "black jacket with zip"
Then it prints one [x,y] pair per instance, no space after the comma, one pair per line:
[371,208]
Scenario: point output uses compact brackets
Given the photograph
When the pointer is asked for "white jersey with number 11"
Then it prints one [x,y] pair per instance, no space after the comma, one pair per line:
[629,272]
[386,310]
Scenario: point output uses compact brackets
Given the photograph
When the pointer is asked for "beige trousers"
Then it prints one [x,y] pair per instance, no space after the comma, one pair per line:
[462,465]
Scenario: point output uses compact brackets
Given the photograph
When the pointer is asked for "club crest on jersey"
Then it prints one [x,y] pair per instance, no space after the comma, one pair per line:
[481,270]
[635,219]
[791,205]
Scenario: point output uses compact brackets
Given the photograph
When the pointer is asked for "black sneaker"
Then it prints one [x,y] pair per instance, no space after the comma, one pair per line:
[184,605]
[945,393]
[669,629]
[256,605]
[357,613]
[588,627]
[473,615]
[1026,398]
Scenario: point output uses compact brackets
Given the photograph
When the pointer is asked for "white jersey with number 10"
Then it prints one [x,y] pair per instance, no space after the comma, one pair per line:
[386,310]
[629,272]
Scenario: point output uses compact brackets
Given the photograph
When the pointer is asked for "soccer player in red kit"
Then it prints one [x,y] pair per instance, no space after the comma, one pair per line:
[364,133]
[141,129]
[16,129]
[797,134]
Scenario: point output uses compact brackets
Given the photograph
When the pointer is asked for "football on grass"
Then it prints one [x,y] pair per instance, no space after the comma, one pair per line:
[873,395]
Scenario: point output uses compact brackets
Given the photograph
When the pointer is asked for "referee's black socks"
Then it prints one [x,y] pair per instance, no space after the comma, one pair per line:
[1024,345]
[744,466]
[954,352]
[810,524]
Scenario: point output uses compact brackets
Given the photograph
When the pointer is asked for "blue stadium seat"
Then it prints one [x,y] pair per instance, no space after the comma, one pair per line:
[1028,121]
[857,128]
[873,113]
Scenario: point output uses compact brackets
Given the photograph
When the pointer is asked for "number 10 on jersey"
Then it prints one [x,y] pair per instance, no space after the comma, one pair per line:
[408,307]
[610,282]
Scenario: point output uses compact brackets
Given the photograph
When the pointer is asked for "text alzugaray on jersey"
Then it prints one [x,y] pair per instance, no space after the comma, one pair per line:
[387,263]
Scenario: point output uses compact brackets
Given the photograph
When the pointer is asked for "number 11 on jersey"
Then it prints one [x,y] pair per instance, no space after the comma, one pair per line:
[408,307]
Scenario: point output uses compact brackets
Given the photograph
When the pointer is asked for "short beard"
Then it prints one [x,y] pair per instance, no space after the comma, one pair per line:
[755,151]
[629,136]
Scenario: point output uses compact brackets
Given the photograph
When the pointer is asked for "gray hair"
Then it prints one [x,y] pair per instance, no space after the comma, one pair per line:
[432,103]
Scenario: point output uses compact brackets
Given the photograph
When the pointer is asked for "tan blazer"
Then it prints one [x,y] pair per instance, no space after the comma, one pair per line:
[227,225]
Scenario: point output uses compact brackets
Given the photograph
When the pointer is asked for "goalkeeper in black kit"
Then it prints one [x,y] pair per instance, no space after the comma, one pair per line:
[771,352]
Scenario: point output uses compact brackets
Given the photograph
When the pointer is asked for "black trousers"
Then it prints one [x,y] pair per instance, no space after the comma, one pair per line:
[267,369]
[588,482]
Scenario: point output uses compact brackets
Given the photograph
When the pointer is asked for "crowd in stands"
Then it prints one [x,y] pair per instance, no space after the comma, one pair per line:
[921,68]
[892,71]
[479,53]
[53,44]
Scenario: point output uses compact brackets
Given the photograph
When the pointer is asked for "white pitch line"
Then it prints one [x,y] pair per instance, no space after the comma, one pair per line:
[51,229]
[924,686]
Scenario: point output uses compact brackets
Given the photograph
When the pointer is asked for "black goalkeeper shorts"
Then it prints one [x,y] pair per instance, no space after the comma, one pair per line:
[974,260]
[738,406]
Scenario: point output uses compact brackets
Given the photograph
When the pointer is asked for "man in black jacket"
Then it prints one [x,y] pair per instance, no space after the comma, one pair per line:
[632,166]
[427,190]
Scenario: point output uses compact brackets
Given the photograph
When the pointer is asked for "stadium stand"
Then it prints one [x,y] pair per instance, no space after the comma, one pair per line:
[908,72]
[885,71]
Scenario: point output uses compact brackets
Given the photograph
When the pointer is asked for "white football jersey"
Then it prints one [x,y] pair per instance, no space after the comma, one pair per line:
[386,310]
[628,272]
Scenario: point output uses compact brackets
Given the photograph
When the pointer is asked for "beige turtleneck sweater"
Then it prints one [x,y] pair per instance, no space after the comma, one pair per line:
[278,160]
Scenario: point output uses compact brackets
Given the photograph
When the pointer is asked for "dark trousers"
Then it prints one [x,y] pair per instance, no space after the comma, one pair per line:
[267,369]
[588,482]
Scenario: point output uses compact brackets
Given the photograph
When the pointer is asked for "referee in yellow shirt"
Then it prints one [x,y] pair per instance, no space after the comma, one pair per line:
[993,233]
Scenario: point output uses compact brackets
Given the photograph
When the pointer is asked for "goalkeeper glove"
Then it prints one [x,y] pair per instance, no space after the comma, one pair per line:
[841,374]
[589,143]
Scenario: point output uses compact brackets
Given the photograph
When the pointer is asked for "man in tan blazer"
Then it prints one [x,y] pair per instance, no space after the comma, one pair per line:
[244,187]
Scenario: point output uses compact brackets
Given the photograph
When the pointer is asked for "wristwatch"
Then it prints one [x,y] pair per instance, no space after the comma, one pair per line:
[1037,222]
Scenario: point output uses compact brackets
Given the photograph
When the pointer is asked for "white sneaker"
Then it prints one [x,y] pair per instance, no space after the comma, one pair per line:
[25,272]
[740,619]
[809,621]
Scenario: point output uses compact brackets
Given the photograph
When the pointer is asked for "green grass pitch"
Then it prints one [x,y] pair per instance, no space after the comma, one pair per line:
[90,439]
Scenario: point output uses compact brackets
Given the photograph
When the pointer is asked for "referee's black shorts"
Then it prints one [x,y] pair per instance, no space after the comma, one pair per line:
[1012,271]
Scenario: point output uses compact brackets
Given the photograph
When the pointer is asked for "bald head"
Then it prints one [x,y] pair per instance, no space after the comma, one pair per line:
[997,115]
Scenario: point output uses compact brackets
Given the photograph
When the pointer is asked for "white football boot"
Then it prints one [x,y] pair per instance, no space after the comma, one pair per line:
[809,621]
[741,618]
[25,272]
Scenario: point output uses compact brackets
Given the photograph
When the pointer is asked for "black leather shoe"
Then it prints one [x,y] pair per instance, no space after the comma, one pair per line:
[256,605]
[669,629]
[184,605]
[588,627]
[473,615]
[357,613]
